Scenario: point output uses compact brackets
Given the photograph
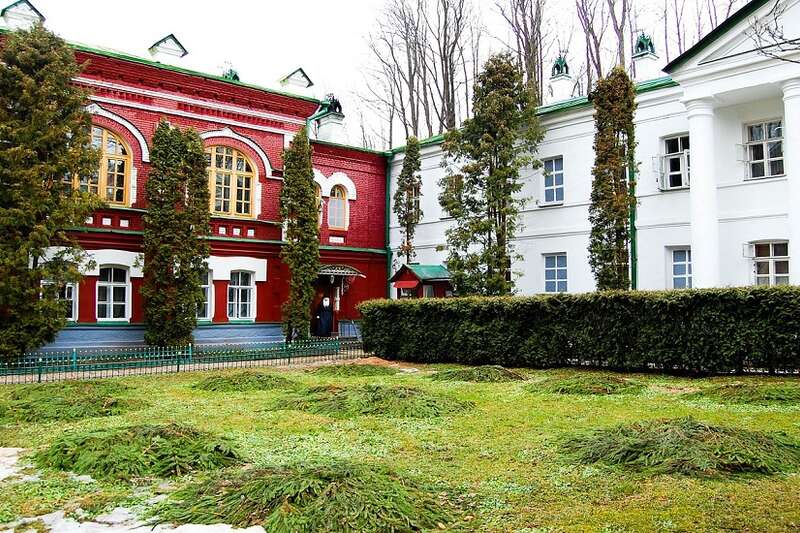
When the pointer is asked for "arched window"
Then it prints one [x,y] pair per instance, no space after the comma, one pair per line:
[112,293]
[231,178]
[337,208]
[240,295]
[111,180]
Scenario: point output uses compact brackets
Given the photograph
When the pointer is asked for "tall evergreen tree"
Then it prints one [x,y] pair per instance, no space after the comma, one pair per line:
[613,185]
[406,198]
[44,143]
[483,193]
[176,227]
[300,212]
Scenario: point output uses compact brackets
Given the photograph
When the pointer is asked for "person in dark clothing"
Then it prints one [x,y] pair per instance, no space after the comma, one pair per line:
[324,318]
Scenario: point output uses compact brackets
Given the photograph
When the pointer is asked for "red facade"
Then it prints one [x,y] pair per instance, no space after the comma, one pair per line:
[129,97]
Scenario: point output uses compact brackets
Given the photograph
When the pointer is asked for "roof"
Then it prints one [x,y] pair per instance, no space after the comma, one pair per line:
[18,2]
[339,270]
[745,11]
[426,272]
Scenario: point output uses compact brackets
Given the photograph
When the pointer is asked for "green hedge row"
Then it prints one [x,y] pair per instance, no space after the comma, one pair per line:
[694,331]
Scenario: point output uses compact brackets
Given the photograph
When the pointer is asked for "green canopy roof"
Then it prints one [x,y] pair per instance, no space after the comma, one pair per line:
[426,272]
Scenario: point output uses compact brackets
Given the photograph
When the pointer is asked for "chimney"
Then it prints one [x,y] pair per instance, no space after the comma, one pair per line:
[168,50]
[20,14]
[560,80]
[645,60]
[329,121]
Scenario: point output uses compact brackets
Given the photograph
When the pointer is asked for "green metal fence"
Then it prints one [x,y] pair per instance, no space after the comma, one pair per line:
[86,363]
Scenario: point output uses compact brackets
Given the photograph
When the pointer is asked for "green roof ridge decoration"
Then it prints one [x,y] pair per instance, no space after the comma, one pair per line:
[742,14]
[165,40]
[644,46]
[25,2]
[230,74]
[560,67]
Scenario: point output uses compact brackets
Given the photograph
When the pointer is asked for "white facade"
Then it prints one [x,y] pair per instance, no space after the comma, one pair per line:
[717,91]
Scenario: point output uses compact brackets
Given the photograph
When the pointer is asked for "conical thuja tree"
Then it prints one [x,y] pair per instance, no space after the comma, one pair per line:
[176,227]
[407,198]
[44,148]
[300,213]
[613,189]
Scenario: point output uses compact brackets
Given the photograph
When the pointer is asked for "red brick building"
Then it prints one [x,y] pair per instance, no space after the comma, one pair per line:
[245,129]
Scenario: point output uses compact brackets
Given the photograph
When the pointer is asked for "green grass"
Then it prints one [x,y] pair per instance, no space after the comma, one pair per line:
[353,371]
[242,382]
[589,383]
[371,400]
[138,452]
[68,401]
[479,374]
[309,498]
[500,463]
[787,393]
[686,446]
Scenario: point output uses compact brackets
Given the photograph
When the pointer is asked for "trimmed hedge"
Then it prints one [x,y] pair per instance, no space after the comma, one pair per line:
[694,331]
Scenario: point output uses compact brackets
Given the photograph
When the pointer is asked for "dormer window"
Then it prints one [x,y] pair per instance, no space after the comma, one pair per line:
[167,46]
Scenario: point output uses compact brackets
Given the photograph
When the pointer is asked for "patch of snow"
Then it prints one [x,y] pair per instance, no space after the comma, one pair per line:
[9,457]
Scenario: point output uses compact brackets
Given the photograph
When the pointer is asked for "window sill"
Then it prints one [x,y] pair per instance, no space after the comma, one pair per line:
[341,230]
[550,204]
[102,322]
[241,320]
[776,176]
[674,189]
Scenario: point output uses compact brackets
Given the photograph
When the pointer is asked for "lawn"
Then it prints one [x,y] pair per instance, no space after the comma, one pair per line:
[491,452]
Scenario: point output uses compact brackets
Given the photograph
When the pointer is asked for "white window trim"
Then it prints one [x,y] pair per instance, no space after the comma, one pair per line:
[210,304]
[670,281]
[771,259]
[74,299]
[253,298]
[331,200]
[128,293]
[663,170]
[542,189]
[766,160]
[426,287]
[557,268]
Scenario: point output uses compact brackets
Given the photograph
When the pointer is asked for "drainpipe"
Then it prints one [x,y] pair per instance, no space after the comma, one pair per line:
[389,159]
[633,233]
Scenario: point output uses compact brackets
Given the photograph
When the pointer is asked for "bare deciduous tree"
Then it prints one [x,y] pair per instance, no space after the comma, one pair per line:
[525,19]
[770,37]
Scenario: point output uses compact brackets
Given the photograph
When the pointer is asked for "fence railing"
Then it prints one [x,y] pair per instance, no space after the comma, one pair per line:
[87,363]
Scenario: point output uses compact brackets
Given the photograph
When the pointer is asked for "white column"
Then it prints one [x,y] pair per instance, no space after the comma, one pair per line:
[791,162]
[703,195]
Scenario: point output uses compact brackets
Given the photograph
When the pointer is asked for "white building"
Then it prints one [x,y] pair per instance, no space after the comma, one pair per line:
[729,215]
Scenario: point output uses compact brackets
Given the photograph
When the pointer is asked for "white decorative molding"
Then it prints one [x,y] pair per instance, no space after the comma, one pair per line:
[326,184]
[104,257]
[230,134]
[221,267]
[192,101]
[95,109]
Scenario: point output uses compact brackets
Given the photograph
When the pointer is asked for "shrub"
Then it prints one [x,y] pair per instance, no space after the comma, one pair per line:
[241,382]
[587,383]
[372,400]
[752,393]
[309,498]
[685,446]
[479,374]
[351,371]
[138,451]
[72,400]
[697,331]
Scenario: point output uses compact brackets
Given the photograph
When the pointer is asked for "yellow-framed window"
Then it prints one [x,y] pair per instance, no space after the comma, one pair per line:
[231,180]
[337,208]
[111,180]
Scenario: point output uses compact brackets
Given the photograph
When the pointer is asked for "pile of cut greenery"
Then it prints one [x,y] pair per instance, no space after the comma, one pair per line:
[685,446]
[479,374]
[782,393]
[353,371]
[372,400]
[71,400]
[309,498]
[588,383]
[138,452]
[242,382]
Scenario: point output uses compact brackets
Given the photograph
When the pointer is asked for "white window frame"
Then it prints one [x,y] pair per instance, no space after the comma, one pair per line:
[683,156]
[557,279]
[687,275]
[237,299]
[771,262]
[428,291]
[555,174]
[208,289]
[766,162]
[332,202]
[111,285]
[74,299]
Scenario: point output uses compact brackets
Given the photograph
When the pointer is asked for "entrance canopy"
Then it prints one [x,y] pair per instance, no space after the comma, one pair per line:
[339,270]
[406,284]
